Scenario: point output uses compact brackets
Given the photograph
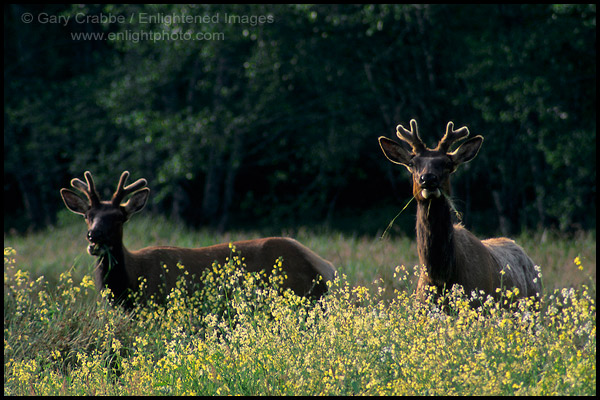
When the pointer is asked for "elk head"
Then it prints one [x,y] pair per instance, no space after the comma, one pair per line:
[105,219]
[430,168]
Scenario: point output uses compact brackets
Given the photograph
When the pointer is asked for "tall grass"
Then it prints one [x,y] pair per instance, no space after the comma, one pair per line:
[368,335]
[363,259]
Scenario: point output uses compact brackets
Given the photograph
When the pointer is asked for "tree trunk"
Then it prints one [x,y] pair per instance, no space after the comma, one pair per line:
[502,218]
[211,198]
[235,160]
[214,175]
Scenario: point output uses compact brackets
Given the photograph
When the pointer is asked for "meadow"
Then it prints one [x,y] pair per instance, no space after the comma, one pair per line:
[367,336]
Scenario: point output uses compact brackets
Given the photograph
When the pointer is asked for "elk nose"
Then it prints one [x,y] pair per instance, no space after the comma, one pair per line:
[429,180]
[92,236]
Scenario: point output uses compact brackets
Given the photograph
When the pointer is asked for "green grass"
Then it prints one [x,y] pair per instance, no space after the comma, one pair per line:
[368,336]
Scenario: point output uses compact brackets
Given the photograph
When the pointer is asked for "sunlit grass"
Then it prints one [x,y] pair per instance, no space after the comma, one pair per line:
[363,259]
[239,337]
[368,336]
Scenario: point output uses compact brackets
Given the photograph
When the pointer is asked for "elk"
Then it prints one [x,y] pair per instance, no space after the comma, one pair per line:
[120,269]
[450,253]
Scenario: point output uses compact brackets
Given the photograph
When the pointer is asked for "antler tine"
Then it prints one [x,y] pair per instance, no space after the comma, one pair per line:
[411,137]
[452,136]
[88,189]
[123,190]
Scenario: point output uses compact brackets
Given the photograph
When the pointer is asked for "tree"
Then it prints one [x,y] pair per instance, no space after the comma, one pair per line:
[271,113]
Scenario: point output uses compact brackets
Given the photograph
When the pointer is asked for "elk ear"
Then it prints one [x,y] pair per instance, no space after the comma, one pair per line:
[136,202]
[395,152]
[73,202]
[467,151]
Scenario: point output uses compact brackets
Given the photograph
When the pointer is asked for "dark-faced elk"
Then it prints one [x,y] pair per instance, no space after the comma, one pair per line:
[450,253]
[120,269]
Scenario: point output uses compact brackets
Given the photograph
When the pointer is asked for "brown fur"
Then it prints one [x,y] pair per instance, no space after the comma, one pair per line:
[450,253]
[120,269]
[301,264]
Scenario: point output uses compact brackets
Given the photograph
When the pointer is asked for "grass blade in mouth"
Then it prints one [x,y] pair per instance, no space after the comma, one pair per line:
[393,220]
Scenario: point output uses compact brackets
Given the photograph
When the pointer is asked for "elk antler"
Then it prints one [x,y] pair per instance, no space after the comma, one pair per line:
[452,136]
[88,189]
[411,137]
[123,190]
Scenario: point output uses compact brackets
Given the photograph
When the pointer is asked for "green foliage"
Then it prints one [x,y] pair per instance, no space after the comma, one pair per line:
[278,119]
[353,342]
[55,325]
[237,336]
[228,293]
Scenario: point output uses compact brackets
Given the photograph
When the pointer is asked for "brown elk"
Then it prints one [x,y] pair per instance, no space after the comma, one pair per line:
[450,253]
[120,269]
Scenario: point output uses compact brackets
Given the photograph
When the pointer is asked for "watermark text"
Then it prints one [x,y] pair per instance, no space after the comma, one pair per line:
[151,26]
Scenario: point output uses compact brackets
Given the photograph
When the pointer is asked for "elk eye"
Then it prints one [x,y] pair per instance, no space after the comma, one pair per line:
[89,216]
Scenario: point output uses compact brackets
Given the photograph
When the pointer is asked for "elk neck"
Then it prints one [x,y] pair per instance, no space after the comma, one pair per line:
[435,240]
[111,272]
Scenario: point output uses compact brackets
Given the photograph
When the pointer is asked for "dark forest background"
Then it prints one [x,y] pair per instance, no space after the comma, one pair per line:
[273,118]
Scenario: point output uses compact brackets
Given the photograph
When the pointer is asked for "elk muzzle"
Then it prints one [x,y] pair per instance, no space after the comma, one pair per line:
[430,186]
[95,248]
